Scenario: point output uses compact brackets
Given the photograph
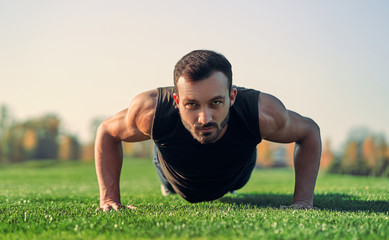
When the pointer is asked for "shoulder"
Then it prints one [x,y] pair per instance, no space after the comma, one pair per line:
[145,100]
[132,124]
[246,101]
[272,114]
[142,110]
[246,93]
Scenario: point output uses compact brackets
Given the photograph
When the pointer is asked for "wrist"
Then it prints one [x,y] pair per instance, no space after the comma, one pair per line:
[109,201]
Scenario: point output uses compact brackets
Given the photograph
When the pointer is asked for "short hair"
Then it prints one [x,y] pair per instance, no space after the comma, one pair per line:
[200,64]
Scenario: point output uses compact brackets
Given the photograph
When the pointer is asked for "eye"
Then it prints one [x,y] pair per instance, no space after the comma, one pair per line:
[217,103]
[191,105]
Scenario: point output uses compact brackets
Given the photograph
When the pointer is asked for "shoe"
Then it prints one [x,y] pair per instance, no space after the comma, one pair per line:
[165,192]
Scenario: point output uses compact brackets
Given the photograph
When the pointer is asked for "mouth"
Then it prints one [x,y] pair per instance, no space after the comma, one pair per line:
[205,129]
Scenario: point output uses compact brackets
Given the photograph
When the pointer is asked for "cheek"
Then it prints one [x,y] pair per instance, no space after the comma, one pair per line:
[221,115]
[187,116]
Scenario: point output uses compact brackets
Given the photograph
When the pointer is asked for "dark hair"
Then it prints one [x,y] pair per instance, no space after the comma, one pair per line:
[200,64]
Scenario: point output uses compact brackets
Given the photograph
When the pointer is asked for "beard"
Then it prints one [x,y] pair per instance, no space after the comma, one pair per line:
[206,137]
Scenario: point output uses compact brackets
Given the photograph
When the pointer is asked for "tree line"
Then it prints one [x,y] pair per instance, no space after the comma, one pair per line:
[44,137]
[36,138]
[365,153]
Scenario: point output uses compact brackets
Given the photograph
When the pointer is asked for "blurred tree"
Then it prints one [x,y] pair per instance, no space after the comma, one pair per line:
[264,154]
[358,134]
[128,149]
[87,151]
[335,165]
[29,142]
[13,138]
[327,156]
[6,122]
[382,161]
[352,161]
[47,132]
[142,149]
[69,147]
[94,124]
[369,151]
[351,155]
[36,138]
[364,154]
[271,154]
[5,119]
[290,154]
[385,171]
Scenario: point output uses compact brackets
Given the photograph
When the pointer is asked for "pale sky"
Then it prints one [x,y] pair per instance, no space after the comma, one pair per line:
[327,60]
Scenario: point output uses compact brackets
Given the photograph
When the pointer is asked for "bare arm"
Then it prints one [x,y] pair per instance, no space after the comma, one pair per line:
[278,124]
[131,125]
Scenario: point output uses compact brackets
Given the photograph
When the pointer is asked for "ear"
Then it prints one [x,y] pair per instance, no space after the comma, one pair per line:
[175,95]
[233,94]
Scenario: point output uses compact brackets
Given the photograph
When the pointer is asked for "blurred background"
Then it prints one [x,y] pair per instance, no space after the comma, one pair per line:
[67,65]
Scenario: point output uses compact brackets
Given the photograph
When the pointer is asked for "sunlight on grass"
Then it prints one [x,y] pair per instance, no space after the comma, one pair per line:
[58,200]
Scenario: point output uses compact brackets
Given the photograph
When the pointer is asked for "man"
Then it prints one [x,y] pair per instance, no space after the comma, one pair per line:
[205,132]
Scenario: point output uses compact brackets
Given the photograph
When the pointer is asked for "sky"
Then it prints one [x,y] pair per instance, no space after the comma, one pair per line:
[327,60]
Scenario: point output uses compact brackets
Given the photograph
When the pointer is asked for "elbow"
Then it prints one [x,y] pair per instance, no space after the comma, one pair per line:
[104,132]
[315,129]
[314,136]
[101,130]
[100,133]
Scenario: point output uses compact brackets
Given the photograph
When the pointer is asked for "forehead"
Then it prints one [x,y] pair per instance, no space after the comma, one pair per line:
[206,89]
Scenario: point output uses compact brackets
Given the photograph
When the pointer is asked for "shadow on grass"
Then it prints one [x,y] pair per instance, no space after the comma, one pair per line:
[331,201]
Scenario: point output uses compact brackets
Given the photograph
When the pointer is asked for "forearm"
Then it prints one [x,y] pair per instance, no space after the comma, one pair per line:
[306,164]
[108,161]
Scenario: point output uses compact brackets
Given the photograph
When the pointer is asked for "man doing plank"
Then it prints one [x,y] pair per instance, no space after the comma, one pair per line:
[205,132]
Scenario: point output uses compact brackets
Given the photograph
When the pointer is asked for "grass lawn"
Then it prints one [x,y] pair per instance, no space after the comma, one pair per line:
[58,200]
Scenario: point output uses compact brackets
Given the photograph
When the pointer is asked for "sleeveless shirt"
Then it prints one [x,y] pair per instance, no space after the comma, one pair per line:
[204,172]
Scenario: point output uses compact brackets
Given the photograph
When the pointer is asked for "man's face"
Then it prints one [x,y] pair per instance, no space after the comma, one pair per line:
[204,106]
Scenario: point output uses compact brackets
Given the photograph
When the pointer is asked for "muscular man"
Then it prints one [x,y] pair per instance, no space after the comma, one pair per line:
[205,132]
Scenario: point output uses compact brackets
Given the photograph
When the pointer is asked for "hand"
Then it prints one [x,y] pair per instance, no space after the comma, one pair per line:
[115,206]
[299,205]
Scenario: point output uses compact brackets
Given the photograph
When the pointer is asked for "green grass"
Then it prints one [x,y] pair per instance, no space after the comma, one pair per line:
[58,200]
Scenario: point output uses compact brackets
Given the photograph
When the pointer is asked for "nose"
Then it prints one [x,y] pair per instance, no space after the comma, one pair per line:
[205,116]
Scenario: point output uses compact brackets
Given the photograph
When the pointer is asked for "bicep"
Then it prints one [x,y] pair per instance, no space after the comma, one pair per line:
[279,124]
[295,129]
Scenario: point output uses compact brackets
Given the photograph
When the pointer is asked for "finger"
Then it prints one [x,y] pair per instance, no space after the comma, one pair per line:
[118,206]
[107,207]
[115,206]
[301,206]
[308,207]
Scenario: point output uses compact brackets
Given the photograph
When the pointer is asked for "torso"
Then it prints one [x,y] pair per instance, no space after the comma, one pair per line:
[198,171]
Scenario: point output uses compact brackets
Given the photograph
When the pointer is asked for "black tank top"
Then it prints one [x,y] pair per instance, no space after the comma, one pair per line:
[204,172]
